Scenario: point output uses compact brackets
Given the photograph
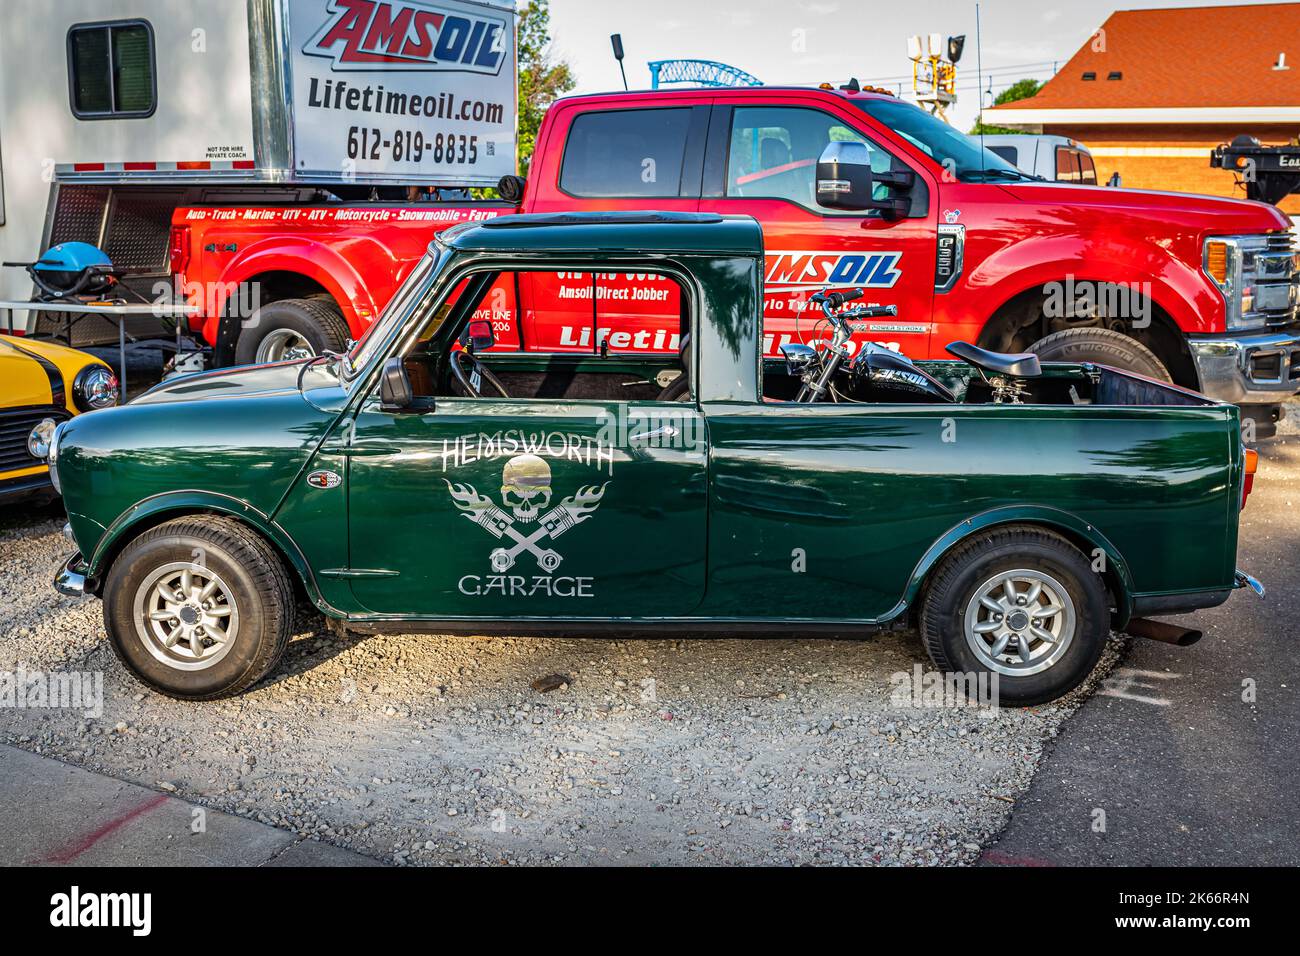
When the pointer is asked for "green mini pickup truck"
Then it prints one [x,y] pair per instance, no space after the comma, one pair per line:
[435,479]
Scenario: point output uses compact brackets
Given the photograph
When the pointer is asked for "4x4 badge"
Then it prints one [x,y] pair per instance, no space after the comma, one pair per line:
[525,491]
[324,479]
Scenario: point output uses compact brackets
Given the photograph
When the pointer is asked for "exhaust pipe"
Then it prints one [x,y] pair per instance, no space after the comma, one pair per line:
[1160,631]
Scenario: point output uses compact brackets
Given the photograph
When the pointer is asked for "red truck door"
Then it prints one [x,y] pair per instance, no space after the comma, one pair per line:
[638,158]
[762,161]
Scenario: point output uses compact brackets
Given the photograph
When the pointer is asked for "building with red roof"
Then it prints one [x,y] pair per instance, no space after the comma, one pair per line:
[1153,91]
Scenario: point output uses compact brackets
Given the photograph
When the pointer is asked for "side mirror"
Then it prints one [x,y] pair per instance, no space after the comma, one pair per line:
[478,335]
[511,189]
[845,180]
[395,393]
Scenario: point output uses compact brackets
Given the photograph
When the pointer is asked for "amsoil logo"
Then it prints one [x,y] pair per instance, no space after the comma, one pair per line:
[799,270]
[396,35]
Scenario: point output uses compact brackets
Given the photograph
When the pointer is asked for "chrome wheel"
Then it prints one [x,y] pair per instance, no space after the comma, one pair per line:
[1020,622]
[185,616]
[283,345]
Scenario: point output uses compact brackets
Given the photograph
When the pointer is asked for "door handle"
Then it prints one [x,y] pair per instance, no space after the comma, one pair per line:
[361,451]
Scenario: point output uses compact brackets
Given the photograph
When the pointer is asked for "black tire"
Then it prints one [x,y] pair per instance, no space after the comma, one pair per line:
[1104,347]
[957,581]
[254,583]
[317,321]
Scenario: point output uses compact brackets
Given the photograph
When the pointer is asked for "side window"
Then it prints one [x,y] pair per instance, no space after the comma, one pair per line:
[111,70]
[626,154]
[1006,152]
[1088,172]
[1067,170]
[556,354]
[773,153]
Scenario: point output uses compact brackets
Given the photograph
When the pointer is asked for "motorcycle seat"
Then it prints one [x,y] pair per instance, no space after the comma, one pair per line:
[1016,364]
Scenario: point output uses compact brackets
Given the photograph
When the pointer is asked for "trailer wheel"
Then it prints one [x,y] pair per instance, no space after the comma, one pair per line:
[199,608]
[292,329]
[1104,347]
[1021,603]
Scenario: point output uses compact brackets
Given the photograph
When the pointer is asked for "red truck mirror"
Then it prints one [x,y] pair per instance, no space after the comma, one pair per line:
[845,180]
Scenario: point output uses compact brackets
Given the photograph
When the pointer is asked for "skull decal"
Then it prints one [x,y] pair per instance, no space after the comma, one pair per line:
[526,487]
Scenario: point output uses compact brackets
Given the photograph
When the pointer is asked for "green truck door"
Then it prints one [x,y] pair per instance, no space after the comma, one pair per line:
[526,508]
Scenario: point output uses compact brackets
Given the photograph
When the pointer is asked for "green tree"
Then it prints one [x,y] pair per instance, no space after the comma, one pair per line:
[1019,90]
[542,78]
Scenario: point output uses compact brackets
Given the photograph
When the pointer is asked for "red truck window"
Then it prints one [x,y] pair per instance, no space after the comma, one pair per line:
[626,153]
[773,153]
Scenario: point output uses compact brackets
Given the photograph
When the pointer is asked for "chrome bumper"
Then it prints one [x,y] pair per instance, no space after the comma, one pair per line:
[71,579]
[1254,369]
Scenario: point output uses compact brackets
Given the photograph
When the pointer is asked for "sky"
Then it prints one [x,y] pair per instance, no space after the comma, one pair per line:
[811,41]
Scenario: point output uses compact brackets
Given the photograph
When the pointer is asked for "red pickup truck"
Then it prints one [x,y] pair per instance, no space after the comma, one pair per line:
[1197,290]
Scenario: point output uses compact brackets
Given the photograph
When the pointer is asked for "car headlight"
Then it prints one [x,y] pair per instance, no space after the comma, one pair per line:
[94,387]
[38,442]
[53,456]
[1256,275]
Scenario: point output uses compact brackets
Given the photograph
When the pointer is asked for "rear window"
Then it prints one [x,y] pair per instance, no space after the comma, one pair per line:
[1067,165]
[1088,170]
[626,153]
[111,70]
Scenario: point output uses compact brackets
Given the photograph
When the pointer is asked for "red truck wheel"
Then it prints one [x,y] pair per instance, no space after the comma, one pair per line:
[1104,347]
[291,329]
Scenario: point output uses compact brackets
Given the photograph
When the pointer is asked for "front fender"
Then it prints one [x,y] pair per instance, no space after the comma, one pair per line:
[1070,525]
[1175,287]
[153,511]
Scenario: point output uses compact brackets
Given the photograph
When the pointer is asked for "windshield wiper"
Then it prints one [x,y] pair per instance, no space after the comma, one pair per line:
[1005,174]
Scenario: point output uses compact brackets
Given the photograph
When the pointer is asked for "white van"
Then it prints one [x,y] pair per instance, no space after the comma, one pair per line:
[1055,158]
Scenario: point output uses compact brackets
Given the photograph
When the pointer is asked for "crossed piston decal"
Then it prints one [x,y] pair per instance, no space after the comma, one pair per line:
[525,493]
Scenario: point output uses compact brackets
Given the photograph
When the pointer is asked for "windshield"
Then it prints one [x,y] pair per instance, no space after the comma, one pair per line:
[947,146]
[395,312]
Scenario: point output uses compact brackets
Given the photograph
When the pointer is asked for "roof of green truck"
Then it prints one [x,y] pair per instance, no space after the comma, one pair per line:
[634,232]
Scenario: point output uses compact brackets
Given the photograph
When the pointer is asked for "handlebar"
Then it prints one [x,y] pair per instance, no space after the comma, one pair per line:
[831,301]
[835,300]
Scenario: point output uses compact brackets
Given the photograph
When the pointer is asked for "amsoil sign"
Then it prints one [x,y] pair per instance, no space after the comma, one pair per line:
[403,91]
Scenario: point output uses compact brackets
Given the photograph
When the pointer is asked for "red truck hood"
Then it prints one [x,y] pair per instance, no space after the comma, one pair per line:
[1212,215]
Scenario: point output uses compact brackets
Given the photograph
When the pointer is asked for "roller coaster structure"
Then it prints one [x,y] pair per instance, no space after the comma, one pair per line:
[699,72]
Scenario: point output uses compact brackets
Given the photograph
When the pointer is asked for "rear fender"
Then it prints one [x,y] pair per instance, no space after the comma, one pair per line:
[316,261]
[1094,545]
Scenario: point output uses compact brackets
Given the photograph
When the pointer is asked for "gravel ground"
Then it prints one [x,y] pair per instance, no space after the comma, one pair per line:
[435,749]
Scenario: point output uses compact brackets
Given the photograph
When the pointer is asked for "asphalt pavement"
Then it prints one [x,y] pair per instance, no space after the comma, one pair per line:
[59,815]
[1188,756]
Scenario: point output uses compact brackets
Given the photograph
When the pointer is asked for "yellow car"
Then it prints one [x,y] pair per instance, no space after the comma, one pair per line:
[42,384]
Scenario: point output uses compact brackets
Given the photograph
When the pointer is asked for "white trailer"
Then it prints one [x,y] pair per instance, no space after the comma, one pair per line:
[115,112]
